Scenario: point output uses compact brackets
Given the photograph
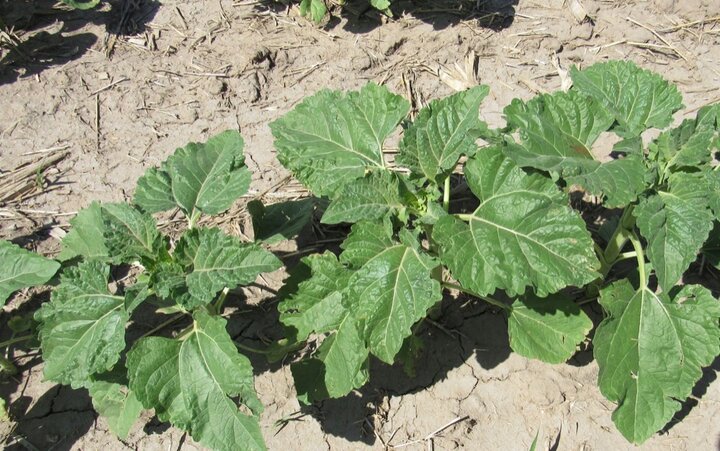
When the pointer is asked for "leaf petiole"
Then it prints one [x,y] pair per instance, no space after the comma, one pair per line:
[640,255]
[16,340]
[446,194]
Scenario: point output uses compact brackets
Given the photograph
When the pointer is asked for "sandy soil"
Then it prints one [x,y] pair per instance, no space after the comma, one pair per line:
[102,108]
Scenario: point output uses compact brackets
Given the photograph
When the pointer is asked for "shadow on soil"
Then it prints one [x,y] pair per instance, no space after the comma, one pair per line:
[362,17]
[42,36]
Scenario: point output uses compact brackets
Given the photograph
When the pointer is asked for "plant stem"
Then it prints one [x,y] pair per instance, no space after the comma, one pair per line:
[640,258]
[16,340]
[193,218]
[221,300]
[163,325]
[446,194]
[467,217]
[250,349]
[489,300]
[619,237]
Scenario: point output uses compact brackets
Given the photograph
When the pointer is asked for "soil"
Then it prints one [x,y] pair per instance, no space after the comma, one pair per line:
[103,107]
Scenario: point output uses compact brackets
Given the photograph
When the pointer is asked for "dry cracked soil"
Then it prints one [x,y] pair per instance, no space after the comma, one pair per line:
[103,95]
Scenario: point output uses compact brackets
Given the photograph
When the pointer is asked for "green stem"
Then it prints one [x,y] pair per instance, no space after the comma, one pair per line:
[221,300]
[489,300]
[640,258]
[162,325]
[250,349]
[620,236]
[446,194]
[467,217]
[16,340]
[193,219]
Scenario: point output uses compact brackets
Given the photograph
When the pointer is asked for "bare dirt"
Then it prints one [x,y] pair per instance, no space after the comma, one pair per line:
[102,108]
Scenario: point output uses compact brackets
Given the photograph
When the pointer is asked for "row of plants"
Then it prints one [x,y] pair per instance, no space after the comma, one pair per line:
[518,245]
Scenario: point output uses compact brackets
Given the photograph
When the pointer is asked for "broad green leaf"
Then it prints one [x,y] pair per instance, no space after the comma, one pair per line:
[221,261]
[675,224]
[548,329]
[153,192]
[366,240]
[442,132]
[21,269]
[209,177]
[281,221]
[200,177]
[378,194]
[89,4]
[167,279]
[191,382]
[381,5]
[316,9]
[651,350]
[82,330]
[316,303]
[522,234]
[135,295]
[618,182]
[117,404]
[688,145]
[333,137]
[131,235]
[339,365]
[637,98]
[557,130]
[391,292]
[85,238]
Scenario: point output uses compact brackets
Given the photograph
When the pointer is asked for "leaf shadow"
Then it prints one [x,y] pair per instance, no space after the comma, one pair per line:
[56,420]
[461,329]
[47,37]
[360,17]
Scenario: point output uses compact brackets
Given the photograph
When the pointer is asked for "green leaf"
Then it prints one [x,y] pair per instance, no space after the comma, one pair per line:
[131,235]
[21,268]
[316,9]
[316,304]
[332,137]
[443,131]
[200,177]
[191,382]
[688,145]
[281,221]
[675,224]
[618,182]
[135,295]
[82,330]
[339,365]
[82,5]
[117,404]
[375,196]
[548,329]
[651,350]
[153,192]
[557,130]
[637,98]
[391,292]
[221,261]
[522,234]
[381,5]
[85,238]
[366,240]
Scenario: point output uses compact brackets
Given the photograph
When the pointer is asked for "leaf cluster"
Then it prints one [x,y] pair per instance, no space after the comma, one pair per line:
[522,247]
[194,377]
